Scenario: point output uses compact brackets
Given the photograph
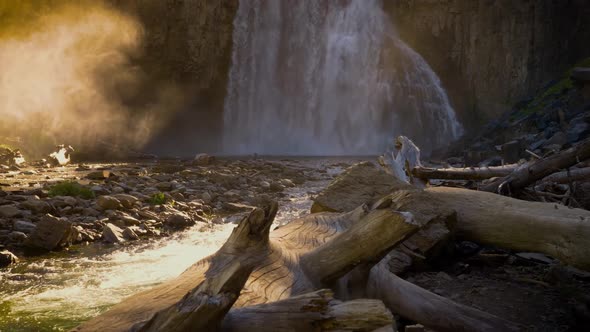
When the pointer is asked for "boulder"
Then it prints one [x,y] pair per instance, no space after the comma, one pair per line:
[165,186]
[130,235]
[359,184]
[24,226]
[108,203]
[9,211]
[7,258]
[36,206]
[112,234]
[127,200]
[179,220]
[51,233]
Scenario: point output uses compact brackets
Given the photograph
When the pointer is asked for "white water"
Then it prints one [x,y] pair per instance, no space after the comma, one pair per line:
[328,78]
[56,293]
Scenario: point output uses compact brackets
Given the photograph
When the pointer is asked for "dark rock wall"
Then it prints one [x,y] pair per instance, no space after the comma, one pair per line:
[492,53]
[187,47]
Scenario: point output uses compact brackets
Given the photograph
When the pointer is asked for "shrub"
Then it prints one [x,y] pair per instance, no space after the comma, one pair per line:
[158,199]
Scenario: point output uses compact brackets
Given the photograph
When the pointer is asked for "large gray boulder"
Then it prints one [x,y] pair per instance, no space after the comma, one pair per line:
[361,183]
[112,234]
[52,233]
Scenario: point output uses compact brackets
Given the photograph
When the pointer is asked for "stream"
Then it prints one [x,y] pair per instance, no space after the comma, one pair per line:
[58,291]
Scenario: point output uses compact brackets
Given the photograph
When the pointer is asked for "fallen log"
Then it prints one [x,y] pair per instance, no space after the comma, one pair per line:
[468,173]
[203,308]
[431,310]
[487,218]
[278,276]
[568,176]
[316,311]
[538,169]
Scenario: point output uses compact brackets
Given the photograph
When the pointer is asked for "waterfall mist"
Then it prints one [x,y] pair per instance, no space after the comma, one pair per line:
[66,75]
[328,78]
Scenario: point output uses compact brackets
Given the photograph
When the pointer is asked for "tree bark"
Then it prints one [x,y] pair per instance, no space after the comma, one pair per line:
[555,230]
[538,169]
[203,308]
[568,176]
[316,311]
[468,173]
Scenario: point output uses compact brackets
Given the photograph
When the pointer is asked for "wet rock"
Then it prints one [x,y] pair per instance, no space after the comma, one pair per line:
[24,226]
[179,220]
[414,328]
[359,184]
[203,159]
[130,235]
[7,258]
[578,132]
[276,187]
[112,234]
[51,233]
[108,203]
[10,211]
[128,201]
[264,185]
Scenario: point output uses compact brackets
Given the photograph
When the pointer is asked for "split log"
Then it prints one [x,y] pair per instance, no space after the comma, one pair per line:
[538,169]
[203,308]
[316,311]
[431,310]
[568,176]
[468,173]
[338,256]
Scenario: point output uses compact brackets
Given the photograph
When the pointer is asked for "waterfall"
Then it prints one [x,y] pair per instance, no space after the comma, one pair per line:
[328,78]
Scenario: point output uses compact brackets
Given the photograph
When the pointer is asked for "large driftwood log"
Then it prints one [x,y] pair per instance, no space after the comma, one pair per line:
[278,276]
[429,309]
[538,169]
[203,308]
[568,176]
[506,222]
[316,311]
[467,173]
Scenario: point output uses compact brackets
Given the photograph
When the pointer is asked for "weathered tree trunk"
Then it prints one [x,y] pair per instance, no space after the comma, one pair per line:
[487,218]
[203,308]
[316,311]
[568,176]
[278,276]
[538,169]
[468,173]
[429,309]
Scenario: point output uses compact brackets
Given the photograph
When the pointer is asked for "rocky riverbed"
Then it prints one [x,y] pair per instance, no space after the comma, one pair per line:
[89,259]
[44,209]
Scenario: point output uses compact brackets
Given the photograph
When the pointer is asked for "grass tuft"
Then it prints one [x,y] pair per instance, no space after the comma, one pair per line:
[71,188]
[158,199]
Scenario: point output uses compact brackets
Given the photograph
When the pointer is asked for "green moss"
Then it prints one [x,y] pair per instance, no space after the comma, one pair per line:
[71,188]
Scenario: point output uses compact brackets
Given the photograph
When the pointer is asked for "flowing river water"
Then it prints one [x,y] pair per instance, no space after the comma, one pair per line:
[56,292]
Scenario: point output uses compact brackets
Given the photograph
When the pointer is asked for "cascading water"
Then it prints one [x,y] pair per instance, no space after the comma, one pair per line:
[328,78]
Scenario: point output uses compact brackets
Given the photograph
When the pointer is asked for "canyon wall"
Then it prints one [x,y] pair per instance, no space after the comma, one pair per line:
[489,54]
[492,53]
[187,48]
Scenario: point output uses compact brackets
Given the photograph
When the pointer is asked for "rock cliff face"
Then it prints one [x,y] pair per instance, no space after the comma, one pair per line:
[489,54]
[187,43]
[492,53]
